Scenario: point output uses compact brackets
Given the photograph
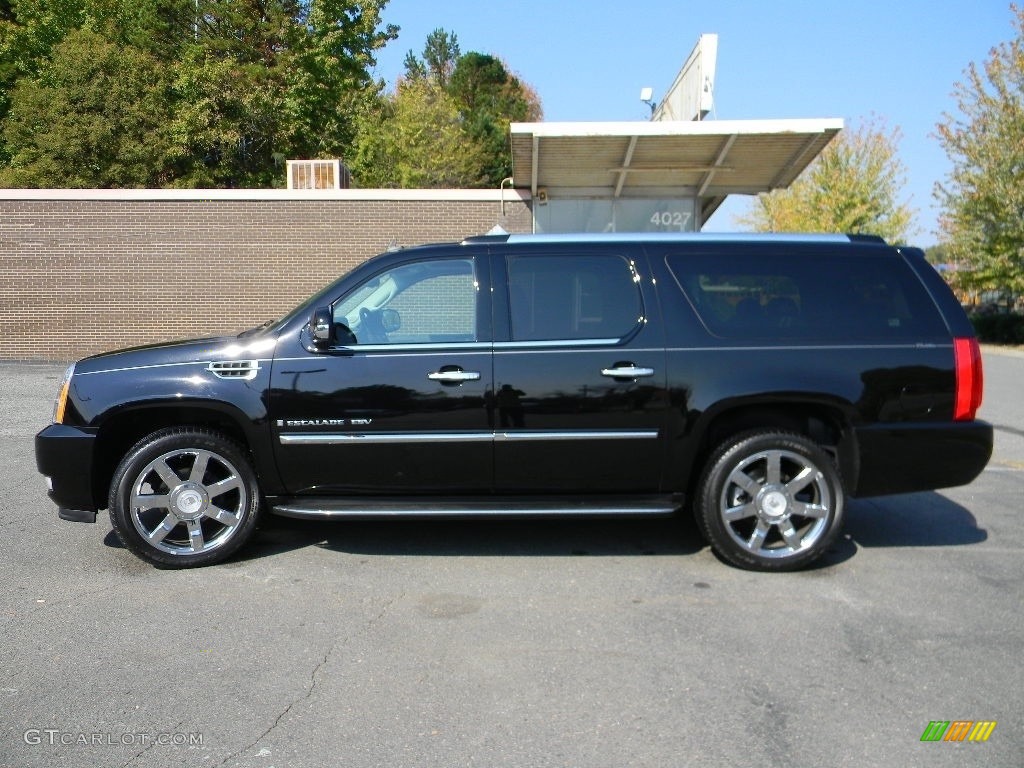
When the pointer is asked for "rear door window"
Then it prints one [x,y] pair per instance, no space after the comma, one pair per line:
[573,297]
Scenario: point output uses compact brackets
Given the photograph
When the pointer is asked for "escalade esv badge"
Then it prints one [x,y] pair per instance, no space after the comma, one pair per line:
[292,423]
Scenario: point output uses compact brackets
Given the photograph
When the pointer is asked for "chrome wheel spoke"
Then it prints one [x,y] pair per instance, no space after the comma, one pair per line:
[756,540]
[199,467]
[159,533]
[168,475]
[222,516]
[806,476]
[773,475]
[223,486]
[816,511]
[790,535]
[195,536]
[749,485]
[740,512]
[145,501]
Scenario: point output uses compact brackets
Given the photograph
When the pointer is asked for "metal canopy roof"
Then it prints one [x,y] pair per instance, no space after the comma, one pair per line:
[708,160]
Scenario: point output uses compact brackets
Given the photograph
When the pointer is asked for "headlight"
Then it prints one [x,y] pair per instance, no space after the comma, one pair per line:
[62,396]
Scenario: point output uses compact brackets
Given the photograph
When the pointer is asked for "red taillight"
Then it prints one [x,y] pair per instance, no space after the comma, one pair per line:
[967,355]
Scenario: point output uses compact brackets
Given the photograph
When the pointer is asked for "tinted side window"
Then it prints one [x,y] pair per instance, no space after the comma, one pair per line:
[838,298]
[572,297]
[420,303]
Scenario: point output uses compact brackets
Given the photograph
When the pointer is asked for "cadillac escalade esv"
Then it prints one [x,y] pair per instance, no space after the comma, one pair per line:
[758,381]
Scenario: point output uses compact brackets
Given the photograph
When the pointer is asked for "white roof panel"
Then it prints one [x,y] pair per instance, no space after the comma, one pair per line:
[709,159]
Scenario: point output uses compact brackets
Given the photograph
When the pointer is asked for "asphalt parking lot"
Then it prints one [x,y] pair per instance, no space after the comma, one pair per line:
[516,643]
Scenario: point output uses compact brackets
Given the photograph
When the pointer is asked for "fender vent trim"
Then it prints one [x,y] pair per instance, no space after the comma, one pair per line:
[243,370]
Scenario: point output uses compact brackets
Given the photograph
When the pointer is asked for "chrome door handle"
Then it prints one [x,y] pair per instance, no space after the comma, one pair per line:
[627,372]
[453,377]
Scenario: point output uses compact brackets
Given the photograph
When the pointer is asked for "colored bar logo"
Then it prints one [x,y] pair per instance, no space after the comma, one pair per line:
[958,730]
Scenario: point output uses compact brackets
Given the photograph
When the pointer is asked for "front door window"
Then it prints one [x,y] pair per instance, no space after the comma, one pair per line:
[433,302]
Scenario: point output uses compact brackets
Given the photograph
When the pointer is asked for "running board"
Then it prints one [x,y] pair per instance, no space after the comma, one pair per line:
[489,507]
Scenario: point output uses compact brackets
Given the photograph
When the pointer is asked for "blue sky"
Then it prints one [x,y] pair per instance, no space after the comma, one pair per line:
[896,61]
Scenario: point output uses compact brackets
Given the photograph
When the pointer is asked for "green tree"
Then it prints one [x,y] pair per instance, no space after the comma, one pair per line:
[438,60]
[268,80]
[95,117]
[244,83]
[226,123]
[853,187]
[490,99]
[28,31]
[485,97]
[983,196]
[416,139]
[329,82]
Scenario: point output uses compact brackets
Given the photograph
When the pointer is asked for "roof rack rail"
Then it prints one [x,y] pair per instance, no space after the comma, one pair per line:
[679,237]
[485,239]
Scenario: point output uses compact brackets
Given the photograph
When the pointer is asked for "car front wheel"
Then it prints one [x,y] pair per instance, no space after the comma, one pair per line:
[184,497]
[770,501]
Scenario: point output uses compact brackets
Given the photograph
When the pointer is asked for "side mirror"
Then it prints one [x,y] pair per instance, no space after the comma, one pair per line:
[321,327]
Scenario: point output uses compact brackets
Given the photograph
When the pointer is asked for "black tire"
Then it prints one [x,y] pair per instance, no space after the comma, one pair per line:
[770,501]
[184,497]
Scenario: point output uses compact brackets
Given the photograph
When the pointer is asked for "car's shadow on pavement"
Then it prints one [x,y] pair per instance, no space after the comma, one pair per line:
[911,520]
[471,537]
[480,537]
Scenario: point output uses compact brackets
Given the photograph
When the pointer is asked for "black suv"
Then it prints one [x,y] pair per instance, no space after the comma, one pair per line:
[757,380]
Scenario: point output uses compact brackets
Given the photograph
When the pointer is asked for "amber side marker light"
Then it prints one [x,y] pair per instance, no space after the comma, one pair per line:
[62,397]
[969,378]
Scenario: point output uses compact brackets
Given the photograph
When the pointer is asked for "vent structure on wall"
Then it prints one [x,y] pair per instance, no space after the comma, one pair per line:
[318,174]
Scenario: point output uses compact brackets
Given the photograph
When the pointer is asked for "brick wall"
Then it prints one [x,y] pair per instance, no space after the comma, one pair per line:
[90,271]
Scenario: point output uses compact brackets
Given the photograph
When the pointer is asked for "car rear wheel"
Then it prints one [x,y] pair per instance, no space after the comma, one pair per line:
[770,501]
[184,497]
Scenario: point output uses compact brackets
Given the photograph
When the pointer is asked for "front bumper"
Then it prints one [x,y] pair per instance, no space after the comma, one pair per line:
[903,458]
[65,456]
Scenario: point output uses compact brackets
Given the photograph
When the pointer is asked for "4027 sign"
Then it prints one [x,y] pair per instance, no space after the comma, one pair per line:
[671,220]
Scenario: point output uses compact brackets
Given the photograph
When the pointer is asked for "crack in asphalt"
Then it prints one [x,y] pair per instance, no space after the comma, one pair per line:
[313,679]
[152,743]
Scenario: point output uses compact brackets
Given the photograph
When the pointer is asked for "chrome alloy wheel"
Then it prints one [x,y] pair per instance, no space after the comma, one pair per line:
[188,501]
[776,503]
